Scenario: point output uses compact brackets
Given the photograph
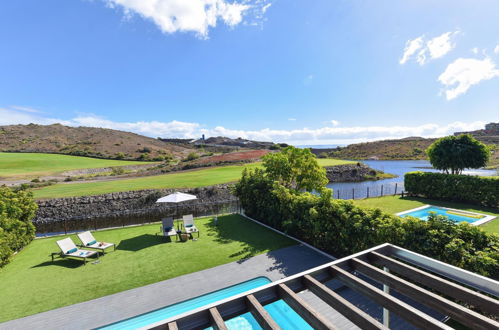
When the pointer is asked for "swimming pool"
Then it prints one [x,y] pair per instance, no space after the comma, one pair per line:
[187,305]
[455,215]
[280,312]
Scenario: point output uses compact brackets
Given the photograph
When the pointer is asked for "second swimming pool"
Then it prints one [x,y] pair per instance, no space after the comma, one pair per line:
[457,216]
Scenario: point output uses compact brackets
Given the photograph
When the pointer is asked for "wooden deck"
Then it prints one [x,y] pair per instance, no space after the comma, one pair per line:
[386,287]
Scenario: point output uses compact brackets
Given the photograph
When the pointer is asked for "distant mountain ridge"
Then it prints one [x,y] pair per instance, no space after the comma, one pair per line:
[399,149]
[226,142]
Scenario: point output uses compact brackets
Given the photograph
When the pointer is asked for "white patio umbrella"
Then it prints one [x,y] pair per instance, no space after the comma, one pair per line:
[176,198]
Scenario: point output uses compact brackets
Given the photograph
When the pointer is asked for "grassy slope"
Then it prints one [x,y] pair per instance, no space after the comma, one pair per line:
[333,162]
[187,179]
[31,283]
[17,165]
[395,204]
[88,141]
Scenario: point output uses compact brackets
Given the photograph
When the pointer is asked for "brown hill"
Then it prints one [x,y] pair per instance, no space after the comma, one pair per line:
[86,141]
[407,148]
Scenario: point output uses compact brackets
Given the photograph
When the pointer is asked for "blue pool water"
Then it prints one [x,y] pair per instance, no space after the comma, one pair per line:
[423,214]
[284,316]
[188,305]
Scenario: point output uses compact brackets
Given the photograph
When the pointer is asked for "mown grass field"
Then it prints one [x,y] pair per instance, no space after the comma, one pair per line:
[32,283]
[32,165]
[186,179]
[395,204]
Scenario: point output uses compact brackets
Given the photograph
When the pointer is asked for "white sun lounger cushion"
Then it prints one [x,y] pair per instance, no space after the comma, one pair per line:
[69,248]
[189,224]
[88,240]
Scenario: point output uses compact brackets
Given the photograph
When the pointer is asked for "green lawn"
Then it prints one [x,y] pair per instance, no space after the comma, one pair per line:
[395,204]
[31,283]
[185,179]
[333,162]
[31,165]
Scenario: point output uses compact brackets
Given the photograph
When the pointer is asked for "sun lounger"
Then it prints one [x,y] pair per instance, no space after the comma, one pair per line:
[189,226]
[69,249]
[88,241]
[168,228]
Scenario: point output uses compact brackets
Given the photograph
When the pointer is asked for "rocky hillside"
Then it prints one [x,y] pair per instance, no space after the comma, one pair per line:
[87,141]
[407,148]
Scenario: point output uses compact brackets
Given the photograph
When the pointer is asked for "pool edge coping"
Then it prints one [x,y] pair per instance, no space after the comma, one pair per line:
[486,217]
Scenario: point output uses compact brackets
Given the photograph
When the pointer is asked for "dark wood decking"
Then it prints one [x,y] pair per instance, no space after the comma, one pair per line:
[373,298]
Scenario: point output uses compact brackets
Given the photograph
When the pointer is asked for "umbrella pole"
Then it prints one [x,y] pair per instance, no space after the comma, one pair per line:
[176,214]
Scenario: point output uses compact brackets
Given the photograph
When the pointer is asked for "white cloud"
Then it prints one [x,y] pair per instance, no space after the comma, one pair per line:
[324,135]
[411,47]
[265,8]
[474,50]
[441,45]
[423,51]
[463,73]
[339,135]
[150,128]
[496,50]
[191,15]
[25,109]
[335,122]
[292,119]
[13,116]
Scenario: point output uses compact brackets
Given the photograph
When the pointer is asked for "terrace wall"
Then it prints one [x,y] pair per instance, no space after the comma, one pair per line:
[62,215]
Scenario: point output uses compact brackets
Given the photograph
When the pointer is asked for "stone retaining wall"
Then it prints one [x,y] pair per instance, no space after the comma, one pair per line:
[137,203]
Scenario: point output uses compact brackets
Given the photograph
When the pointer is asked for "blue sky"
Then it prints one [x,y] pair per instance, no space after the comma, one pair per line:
[304,71]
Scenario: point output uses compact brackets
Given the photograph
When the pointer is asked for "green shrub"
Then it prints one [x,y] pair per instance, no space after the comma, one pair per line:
[117,170]
[191,156]
[17,209]
[144,156]
[322,155]
[145,150]
[119,155]
[462,188]
[342,228]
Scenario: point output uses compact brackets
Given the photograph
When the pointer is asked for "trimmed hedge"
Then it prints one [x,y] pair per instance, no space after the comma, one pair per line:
[462,188]
[341,228]
[17,209]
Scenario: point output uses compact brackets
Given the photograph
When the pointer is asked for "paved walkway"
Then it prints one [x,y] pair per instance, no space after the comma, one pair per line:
[105,310]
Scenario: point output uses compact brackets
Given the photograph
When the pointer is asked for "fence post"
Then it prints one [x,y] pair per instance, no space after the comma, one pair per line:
[353,193]
[65,227]
[381,190]
[395,188]
[367,192]
[338,194]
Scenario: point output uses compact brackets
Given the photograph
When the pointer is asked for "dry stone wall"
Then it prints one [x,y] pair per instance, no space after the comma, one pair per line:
[126,208]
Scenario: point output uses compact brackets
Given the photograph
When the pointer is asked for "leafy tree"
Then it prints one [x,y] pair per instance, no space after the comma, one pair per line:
[453,154]
[17,209]
[295,169]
